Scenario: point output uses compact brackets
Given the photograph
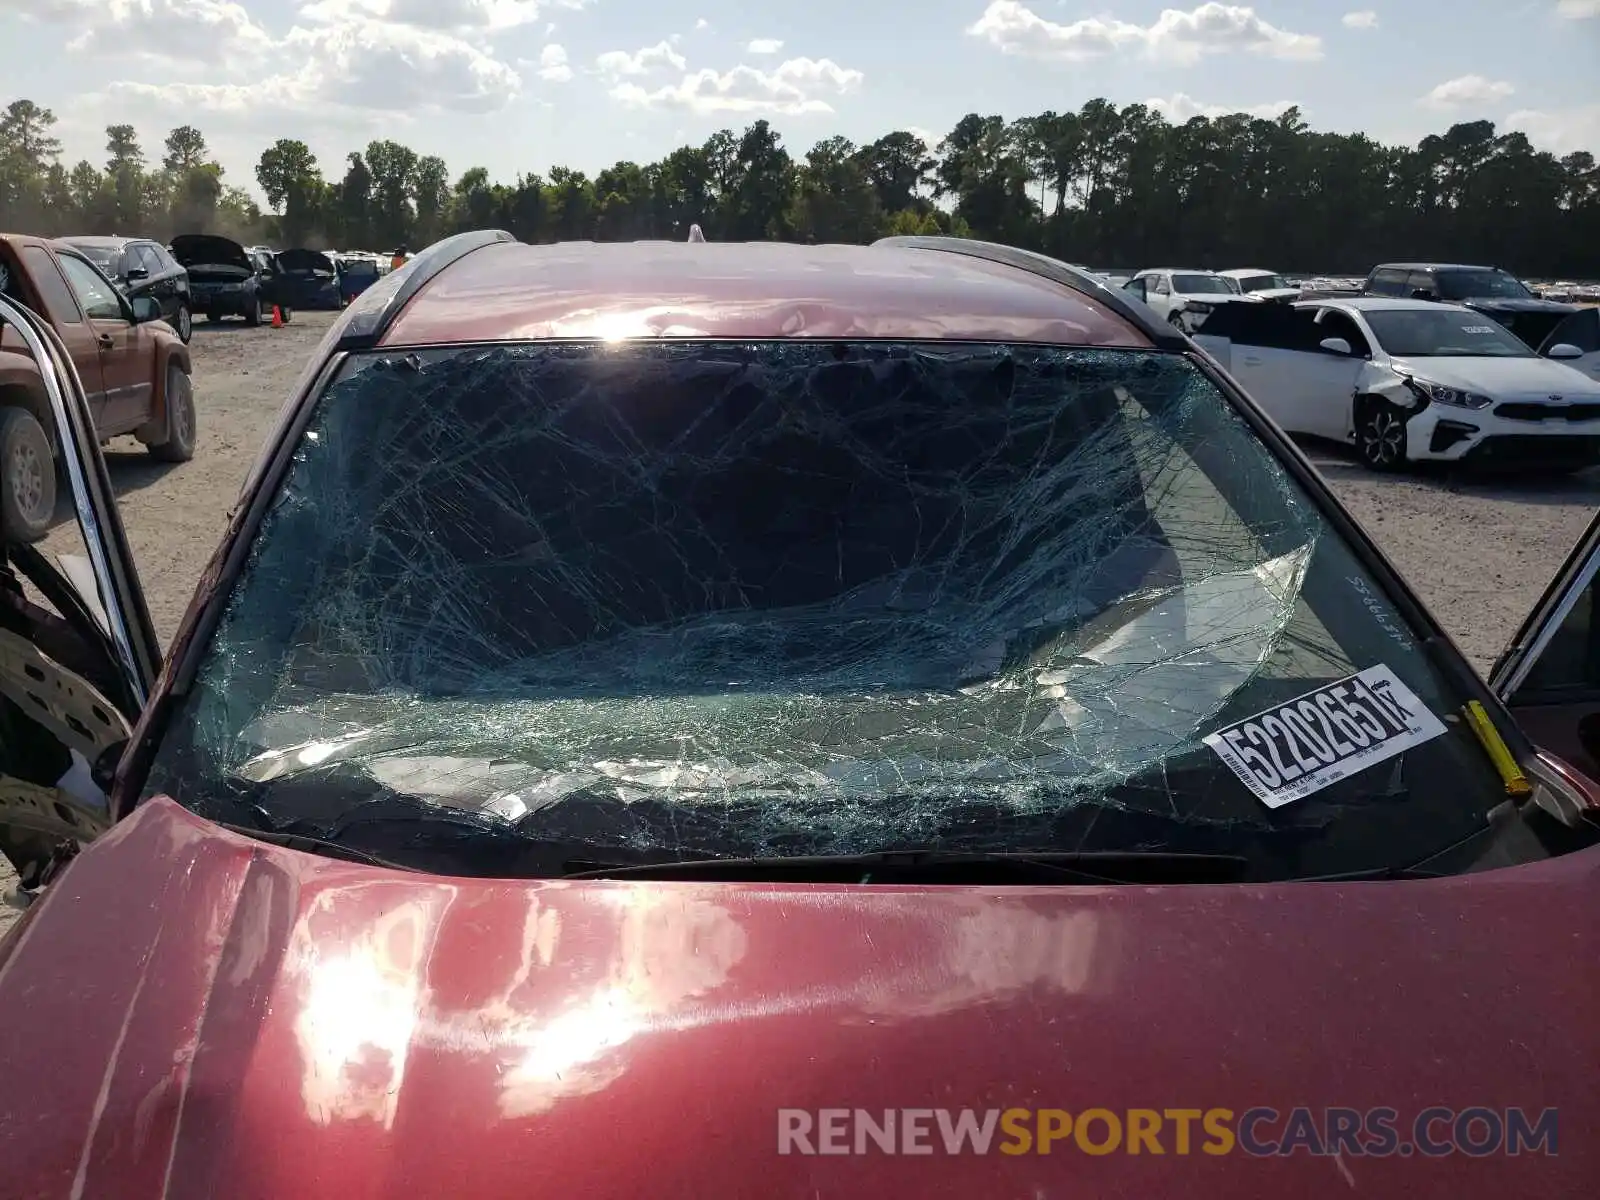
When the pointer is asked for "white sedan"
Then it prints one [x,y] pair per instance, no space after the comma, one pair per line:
[1182,298]
[1409,380]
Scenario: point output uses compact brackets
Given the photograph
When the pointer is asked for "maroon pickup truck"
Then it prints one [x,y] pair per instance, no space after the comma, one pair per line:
[135,370]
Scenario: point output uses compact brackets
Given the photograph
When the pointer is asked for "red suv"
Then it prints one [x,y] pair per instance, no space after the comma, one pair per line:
[766,720]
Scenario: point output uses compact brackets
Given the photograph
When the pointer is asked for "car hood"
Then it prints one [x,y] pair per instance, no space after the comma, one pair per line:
[306,260]
[1498,377]
[1517,304]
[193,1014]
[1270,294]
[196,249]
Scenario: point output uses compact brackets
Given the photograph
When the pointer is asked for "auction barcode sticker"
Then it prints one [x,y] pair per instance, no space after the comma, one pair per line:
[1306,744]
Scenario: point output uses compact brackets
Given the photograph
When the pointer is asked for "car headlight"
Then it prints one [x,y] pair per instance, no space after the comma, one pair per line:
[1196,306]
[1440,394]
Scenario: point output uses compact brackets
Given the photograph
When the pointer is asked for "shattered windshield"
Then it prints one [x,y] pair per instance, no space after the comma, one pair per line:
[719,599]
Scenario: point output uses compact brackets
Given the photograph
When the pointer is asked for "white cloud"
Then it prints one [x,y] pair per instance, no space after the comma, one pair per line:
[49,10]
[1578,10]
[765,46]
[1560,131]
[701,23]
[458,15]
[1181,107]
[1364,19]
[1466,91]
[1175,36]
[553,65]
[355,67]
[204,31]
[795,87]
[616,63]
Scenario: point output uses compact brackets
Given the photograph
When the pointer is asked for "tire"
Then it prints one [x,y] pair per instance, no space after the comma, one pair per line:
[27,477]
[253,316]
[183,322]
[1175,319]
[288,313]
[1380,435]
[180,432]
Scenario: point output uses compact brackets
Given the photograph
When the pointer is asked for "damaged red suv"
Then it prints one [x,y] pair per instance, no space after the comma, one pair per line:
[764,720]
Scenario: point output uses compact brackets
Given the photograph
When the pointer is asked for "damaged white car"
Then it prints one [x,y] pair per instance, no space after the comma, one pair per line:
[1408,380]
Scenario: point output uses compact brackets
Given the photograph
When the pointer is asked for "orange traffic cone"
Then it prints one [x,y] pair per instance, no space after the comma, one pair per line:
[277,317]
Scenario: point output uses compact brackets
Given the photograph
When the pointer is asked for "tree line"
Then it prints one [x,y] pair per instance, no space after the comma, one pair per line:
[1105,186]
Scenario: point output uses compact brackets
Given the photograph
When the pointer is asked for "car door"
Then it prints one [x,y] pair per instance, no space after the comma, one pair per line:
[60,304]
[1549,675]
[162,283]
[1316,387]
[77,660]
[1278,359]
[1161,294]
[125,361]
[1580,329]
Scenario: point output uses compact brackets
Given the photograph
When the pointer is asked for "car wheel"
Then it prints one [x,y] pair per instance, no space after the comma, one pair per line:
[254,316]
[183,322]
[1175,319]
[1381,435]
[179,443]
[27,477]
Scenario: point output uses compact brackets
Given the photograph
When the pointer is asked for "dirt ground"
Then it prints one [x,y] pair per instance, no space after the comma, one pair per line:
[1479,551]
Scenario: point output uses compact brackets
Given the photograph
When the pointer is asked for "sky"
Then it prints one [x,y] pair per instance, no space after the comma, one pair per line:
[523,85]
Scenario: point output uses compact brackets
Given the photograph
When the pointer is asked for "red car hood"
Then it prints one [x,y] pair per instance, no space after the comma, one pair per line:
[189,1013]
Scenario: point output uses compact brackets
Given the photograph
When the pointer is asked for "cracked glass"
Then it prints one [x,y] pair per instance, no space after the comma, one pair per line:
[702,599]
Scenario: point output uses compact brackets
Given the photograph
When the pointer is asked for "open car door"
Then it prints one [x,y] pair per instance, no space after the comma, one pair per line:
[1550,674]
[78,654]
[1581,331]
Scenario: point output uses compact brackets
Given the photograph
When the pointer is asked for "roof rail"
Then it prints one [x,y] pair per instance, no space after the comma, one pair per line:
[369,318]
[1043,266]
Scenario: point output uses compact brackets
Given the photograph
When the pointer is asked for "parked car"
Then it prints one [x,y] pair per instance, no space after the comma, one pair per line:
[1409,380]
[1494,292]
[1255,284]
[140,267]
[641,685]
[229,281]
[310,279]
[135,373]
[1182,298]
[356,274]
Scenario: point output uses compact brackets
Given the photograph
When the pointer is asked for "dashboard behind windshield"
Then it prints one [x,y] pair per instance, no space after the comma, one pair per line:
[1201,285]
[710,600]
[1443,333]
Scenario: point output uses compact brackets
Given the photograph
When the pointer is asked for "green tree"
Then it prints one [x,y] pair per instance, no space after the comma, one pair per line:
[835,200]
[433,199]
[28,152]
[394,176]
[355,206]
[292,183]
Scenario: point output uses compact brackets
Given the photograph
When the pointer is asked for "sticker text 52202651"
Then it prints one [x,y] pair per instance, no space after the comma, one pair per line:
[1303,745]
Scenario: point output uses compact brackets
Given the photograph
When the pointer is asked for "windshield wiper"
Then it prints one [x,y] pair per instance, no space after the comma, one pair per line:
[941,867]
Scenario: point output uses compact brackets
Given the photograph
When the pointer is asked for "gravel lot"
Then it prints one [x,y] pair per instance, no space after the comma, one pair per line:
[1479,551]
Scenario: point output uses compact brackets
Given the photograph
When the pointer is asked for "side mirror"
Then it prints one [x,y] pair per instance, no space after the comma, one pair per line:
[1336,345]
[145,310]
[1424,294]
[1563,350]
[135,274]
